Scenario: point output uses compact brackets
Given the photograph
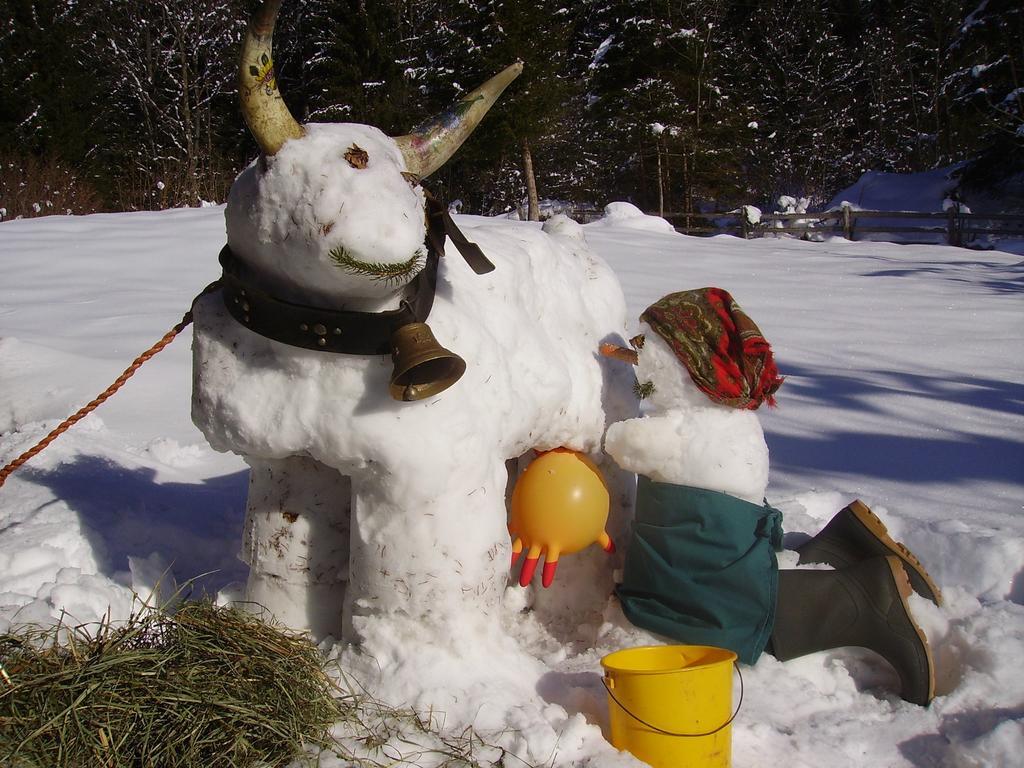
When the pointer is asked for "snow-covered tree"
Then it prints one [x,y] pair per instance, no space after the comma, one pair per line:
[167,69]
[340,60]
[47,111]
[987,89]
[675,106]
[50,89]
[797,80]
[657,93]
[904,116]
[518,149]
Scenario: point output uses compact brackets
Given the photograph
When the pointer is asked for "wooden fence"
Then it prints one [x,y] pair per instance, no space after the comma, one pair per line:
[956,226]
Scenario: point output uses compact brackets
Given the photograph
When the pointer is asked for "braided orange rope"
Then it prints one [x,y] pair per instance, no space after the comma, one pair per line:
[100,399]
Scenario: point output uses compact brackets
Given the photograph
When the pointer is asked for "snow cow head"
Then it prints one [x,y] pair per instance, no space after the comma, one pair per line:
[333,214]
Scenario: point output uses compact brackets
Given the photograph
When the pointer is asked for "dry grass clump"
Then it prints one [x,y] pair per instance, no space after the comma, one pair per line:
[372,734]
[30,186]
[207,686]
[203,687]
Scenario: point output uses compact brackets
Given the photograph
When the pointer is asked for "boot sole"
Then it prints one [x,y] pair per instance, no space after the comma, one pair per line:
[918,578]
[902,581]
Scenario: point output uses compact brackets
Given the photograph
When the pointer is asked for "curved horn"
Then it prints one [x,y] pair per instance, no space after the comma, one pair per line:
[264,110]
[432,143]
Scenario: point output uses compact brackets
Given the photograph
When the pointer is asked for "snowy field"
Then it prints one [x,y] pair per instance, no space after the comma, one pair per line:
[904,388]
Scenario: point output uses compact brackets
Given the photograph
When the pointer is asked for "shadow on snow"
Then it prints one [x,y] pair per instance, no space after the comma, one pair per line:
[125,512]
[945,457]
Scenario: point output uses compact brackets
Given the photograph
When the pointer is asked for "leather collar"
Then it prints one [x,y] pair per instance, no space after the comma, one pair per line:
[324,329]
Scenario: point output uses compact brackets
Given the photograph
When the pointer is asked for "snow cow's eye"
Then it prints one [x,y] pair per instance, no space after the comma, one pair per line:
[356,157]
[643,391]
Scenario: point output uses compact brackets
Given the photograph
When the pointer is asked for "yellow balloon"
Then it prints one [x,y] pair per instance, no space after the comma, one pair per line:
[559,506]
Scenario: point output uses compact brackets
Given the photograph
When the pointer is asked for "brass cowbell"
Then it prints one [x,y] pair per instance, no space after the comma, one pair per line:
[422,367]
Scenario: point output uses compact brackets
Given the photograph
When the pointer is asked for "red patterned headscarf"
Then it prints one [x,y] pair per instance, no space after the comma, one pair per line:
[721,347]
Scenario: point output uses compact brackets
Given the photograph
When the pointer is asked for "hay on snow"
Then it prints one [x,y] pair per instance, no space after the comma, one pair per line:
[202,687]
[206,686]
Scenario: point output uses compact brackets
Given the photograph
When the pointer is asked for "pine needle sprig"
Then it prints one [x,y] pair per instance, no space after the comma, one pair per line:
[377,270]
[643,391]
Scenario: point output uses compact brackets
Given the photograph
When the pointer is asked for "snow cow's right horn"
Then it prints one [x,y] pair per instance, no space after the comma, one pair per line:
[264,110]
[433,142]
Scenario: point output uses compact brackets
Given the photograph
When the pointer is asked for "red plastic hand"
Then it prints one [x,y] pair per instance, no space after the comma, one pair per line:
[550,555]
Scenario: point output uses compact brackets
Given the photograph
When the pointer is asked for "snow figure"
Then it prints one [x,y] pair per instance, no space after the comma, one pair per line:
[376,510]
[701,565]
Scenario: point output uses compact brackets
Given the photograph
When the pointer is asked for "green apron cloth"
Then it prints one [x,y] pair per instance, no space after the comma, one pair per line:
[701,568]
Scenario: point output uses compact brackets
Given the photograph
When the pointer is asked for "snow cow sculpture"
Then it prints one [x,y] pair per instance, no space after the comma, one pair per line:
[376,509]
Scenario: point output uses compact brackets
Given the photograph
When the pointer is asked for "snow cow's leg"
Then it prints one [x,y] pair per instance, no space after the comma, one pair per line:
[573,605]
[429,555]
[296,542]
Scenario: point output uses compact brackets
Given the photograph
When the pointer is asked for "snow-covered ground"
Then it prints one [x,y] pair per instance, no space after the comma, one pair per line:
[904,388]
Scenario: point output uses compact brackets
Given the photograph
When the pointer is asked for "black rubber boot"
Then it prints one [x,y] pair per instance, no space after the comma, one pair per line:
[863,605]
[854,534]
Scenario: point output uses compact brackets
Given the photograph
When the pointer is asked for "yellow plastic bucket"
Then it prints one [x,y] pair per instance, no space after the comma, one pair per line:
[671,705]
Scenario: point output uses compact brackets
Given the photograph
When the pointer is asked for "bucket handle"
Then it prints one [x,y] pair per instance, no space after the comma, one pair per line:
[739,704]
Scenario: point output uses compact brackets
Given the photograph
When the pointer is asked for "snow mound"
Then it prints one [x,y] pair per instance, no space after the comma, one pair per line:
[881,191]
[628,216]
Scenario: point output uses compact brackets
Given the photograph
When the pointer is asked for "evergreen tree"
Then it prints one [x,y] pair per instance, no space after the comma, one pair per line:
[169,116]
[676,105]
[904,122]
[537,32]
[340,62]
[443,60]
[987,89]
[50,90]
[800,84]
[587,165]
[48,117]
[667,120]
[474,39]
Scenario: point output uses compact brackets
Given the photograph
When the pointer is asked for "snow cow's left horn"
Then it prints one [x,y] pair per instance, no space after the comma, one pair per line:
[432,143]
[264,110]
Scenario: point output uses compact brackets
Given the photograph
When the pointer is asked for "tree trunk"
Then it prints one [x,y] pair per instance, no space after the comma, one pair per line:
[661,181]
[531,183]
[686,182]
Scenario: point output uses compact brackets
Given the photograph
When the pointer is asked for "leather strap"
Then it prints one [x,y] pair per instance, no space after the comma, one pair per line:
[440,221]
